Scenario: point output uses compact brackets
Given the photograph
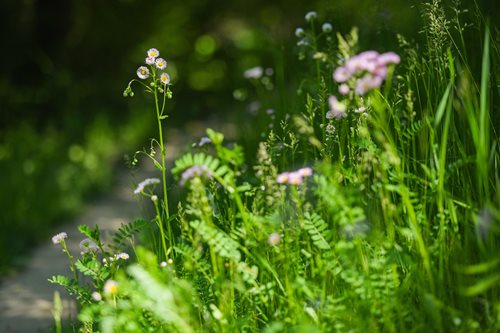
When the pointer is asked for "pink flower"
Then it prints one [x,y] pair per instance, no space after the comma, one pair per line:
[305,172]
[341,74]
[367,83]
[388,58]
[343,89]
[294,177]
[274,239]
[337,109]
[283,178]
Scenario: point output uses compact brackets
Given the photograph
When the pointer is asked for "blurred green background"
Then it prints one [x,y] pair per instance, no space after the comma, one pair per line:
[64,124]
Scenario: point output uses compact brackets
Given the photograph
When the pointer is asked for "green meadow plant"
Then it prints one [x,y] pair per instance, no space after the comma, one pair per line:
[375,209]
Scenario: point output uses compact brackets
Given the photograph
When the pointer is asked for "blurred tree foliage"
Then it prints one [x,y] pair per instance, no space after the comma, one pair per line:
[73,57]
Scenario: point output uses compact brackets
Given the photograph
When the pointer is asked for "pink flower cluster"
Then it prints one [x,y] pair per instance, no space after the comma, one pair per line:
[294,177]
[370,63]
[337,109]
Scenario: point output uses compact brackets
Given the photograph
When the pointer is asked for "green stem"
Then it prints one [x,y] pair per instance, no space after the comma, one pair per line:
[71,263]
[163,154]
[162,233]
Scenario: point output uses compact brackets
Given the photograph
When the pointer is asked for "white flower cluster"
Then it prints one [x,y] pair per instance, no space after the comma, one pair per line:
[59,238]
[146,182]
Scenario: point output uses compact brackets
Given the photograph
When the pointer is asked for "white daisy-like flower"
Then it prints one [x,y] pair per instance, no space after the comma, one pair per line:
[96,296]
[161,63]
[122,256]
[274,239]
[59,238]
[311,16]
[88,245]
[299,32]
[327,27]
[143,72]
[111,287]
[330,129]
[144,183]
[149,61]
[165,78]
[153,53]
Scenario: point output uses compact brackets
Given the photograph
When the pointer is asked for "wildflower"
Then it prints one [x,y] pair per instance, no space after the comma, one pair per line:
[160,63]
[96,296]
[330,129]
[253,73]
[153,53]
[143,72]
[195,171]
[294,177]
[59,238]
[367,83]
[88,245]
[111,287]
[269,71]
[144,183]
[299,32]
[274,239]
[388,58]
[305,172]
[170,261]
[122,256]
[310,16]
[270,111]
[204,140]
[341,74]
[327,27]
[343,89]
[282,178]
[165,78]
[370,65]
[149,61]
[361,109]
[154,198]
[163,264]
[337,109]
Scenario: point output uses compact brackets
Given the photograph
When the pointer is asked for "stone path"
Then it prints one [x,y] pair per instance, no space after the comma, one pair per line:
[26,299]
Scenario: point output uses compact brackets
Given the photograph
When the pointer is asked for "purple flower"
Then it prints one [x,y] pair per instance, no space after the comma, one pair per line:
[370,69]
[341,74]
[388,58]
[367,83]
[195,171]
[146,182]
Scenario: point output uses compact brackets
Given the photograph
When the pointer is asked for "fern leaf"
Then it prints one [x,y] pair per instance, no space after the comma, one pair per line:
[317,229]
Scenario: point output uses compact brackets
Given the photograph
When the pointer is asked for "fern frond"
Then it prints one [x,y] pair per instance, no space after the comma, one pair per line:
[127,231]
[72,287]
[318,230]
[222,244]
